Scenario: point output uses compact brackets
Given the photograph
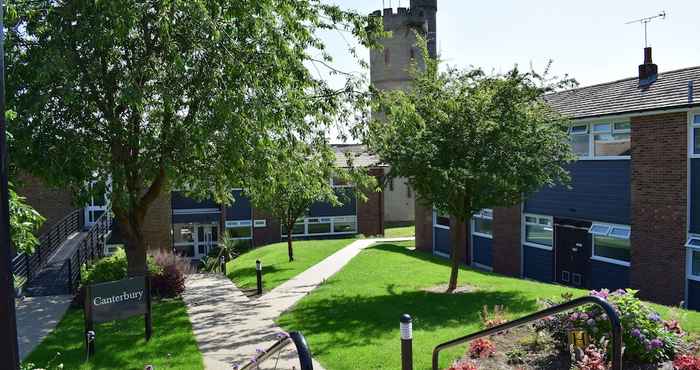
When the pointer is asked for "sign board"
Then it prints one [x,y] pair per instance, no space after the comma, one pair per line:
[578,339]
[117,300]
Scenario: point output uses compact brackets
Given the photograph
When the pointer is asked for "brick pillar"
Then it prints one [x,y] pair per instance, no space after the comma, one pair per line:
[424,225]
[268,234]
[157,224]
[370,214]
[659,203]
[506,245]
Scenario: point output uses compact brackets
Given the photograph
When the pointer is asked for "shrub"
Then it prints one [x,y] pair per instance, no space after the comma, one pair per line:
[170,281]
[481,348]
[462,365]
[592,358]
[495,318]
[686,362]
[516,356]
[111,268]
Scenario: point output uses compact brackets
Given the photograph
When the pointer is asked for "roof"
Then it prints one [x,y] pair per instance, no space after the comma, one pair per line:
[625,96]
[358,153]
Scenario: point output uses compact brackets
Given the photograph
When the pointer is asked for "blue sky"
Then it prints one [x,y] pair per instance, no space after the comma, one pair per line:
[589,40]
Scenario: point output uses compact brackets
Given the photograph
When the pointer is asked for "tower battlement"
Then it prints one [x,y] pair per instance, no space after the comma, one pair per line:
[402,17]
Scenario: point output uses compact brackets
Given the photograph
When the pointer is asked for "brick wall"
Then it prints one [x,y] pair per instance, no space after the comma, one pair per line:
[53,204]
[424,226]
[268,234]
[370,214]
[158,223]
[506,240]
[659,203]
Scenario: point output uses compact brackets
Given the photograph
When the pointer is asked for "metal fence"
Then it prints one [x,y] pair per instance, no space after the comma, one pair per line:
[90,249]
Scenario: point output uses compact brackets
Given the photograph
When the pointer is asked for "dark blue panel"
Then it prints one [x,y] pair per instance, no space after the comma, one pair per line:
[538,264]
[241,208]
[482,251]
[609,276]
[442,240]
[181,201]
[196,218]
[348,208]
[694,295]
[695,195]
[600,191]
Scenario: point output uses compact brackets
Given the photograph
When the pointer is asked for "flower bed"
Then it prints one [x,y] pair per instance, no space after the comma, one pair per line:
[648,341]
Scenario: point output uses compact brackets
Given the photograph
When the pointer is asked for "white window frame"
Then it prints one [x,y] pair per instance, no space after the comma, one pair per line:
[260,223]
[591,134]
[610,228]
[689,256]
[435,224]
[537,223]
[484,214]
[332,220]
[230,224]
[692,126]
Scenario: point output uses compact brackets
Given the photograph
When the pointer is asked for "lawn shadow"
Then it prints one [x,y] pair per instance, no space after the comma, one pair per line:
[245,278]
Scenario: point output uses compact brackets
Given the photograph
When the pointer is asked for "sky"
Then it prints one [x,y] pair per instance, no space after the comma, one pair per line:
[588,40]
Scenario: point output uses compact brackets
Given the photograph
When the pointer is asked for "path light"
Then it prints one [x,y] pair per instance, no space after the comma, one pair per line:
[258,273]
[406,326]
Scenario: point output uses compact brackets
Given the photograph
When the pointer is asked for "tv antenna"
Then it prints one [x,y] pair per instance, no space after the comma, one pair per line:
[646,21]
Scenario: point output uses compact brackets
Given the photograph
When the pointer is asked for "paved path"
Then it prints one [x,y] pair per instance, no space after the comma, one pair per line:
[229,327]
[36,318]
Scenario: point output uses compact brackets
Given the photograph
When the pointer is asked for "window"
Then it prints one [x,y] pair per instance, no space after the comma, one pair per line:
[386,56]
[483,223]
[441,220]
[299,228]
[695,262]
[538,230]
[696,134]
[323,226]
[603,139]
[239,229]
[183,233]
[319,225]
[611,243]
[344,224]
[260,223]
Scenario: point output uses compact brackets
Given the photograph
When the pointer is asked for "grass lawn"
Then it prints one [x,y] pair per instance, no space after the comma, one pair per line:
[399,230]
[121,344]
[276,266]
[352,321]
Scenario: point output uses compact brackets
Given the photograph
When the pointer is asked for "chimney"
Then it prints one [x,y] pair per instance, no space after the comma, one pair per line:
[647,71]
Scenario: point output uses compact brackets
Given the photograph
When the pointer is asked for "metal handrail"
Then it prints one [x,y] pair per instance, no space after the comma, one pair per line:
[89,249]
[605,305]
[299,341]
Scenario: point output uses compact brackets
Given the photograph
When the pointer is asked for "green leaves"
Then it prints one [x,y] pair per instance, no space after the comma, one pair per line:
[24,222]
[468,140]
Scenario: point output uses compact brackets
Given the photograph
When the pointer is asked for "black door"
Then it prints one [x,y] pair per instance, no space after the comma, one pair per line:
[573,251]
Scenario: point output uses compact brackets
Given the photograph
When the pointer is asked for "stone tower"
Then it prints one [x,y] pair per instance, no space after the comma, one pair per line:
[389,66]
[389,70]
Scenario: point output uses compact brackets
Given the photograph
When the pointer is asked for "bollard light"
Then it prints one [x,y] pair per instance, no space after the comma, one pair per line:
[258,265]
[406,326]
[258,275]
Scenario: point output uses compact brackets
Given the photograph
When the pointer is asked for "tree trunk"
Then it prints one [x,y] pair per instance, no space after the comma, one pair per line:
[135,245]
[458,237]
[289,242]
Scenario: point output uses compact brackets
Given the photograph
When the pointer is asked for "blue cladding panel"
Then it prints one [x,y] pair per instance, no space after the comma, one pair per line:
[694,295]
[609,276]
[695,195]
[538,264]
[348,208]
[197,218]
[442,240]
[240,209]
[482,251]
[600,191]
[180,201]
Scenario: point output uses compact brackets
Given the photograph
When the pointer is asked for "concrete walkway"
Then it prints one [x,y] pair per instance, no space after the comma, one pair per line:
[229,327]
[36,318]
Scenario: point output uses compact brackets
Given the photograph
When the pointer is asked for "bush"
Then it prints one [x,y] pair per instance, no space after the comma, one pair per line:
[462,365]
[481,348]
[111,268]
[170,282]
[686,362]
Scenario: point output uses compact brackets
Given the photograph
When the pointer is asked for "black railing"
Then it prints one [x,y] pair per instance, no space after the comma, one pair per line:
[609,311]
[91,248]
[305,361]
[24,265]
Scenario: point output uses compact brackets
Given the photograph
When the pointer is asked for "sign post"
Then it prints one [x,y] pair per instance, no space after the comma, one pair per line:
[116,300]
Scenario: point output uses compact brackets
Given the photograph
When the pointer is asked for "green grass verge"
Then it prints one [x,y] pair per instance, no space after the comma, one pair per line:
[121,344]
[276,266]
[399,230]
[352,321]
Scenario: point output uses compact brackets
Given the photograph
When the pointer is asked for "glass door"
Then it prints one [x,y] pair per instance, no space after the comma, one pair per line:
[207,238]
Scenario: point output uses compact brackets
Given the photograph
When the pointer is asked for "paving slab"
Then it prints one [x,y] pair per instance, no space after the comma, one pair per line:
[36,318]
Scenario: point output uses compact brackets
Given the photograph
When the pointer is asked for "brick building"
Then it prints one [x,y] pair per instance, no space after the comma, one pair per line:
[630,216]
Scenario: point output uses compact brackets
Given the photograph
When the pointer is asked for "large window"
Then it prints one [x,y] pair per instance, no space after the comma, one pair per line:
[538,230]
[311,226]
[693,269]
[483,223]
[696,134]
[441,220]
[601,139]
[611,243]
[241,229]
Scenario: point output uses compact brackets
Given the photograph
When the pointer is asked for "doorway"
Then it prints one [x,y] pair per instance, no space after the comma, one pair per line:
[207,237]
[573,252]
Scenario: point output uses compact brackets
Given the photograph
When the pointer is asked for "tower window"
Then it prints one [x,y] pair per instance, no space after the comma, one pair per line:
[412,53]
[386,56]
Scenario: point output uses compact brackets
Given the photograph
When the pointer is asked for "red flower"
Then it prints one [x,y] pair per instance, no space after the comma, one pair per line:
[481,348]
[686,362]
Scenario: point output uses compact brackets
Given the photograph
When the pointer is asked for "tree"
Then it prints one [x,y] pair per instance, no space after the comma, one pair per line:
[153,94]
[24,222]
[467,140]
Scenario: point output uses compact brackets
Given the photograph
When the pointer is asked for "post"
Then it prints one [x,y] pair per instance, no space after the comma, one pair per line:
[9,350]
[222,261]
[70,275]
[406,327]
[258,272]
[147,317]
[89,325]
